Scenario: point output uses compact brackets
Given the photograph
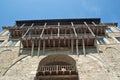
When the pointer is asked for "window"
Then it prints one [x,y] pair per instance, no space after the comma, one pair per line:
[101,41]
[118,39]
[12,42]
[1,42]
[109,30]
[6,33]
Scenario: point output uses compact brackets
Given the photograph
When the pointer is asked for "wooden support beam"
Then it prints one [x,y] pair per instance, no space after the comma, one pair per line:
[94,23]
[29,34]
[58,23]
[58,29]
[77,47]
[39,45]
[71,33]
[83,44]
[89,28]
[32,51]
[97,47]
[97,27]
[22,26]
[27,30]
[20,48]
[43,30]
[74,29]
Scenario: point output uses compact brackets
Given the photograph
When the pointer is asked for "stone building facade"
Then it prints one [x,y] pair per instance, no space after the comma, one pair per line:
[60,49]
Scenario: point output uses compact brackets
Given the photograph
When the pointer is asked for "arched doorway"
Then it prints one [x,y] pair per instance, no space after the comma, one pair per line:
[57,67]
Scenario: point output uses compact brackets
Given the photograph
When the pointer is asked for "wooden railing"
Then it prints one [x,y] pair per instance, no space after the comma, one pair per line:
[57,72]
[69,36]
[57,68]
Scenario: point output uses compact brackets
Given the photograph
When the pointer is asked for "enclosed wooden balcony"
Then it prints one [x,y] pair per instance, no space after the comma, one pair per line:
[57,67]
[71,33]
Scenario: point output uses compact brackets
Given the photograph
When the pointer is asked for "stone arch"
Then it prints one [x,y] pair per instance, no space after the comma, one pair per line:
[57,67]
[111,48]
[112,52]
[5,50]
[112,59]
[57,59]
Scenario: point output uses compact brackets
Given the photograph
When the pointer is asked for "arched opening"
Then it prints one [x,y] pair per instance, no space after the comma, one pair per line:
[57,67]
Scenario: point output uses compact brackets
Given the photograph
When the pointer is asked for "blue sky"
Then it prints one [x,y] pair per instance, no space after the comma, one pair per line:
[12,10]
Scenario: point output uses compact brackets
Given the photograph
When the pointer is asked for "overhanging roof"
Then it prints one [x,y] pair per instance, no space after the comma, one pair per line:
[55,21]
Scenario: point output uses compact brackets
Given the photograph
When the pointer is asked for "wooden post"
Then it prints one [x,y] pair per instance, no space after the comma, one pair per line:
[58,29]
[97,47]
[77,47]
[39,45]
[58,32]
[57,69]
[19,48]
[83,44]
[32,48]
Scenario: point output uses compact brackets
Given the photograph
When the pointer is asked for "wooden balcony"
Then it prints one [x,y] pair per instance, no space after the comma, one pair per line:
[55,41]
[61,68]
[56,70]
[56,36]
[19,32]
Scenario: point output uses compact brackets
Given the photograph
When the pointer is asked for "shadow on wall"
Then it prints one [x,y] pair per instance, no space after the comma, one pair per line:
[58,51]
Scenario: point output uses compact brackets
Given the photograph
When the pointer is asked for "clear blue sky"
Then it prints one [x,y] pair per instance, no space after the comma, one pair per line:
[12,10]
